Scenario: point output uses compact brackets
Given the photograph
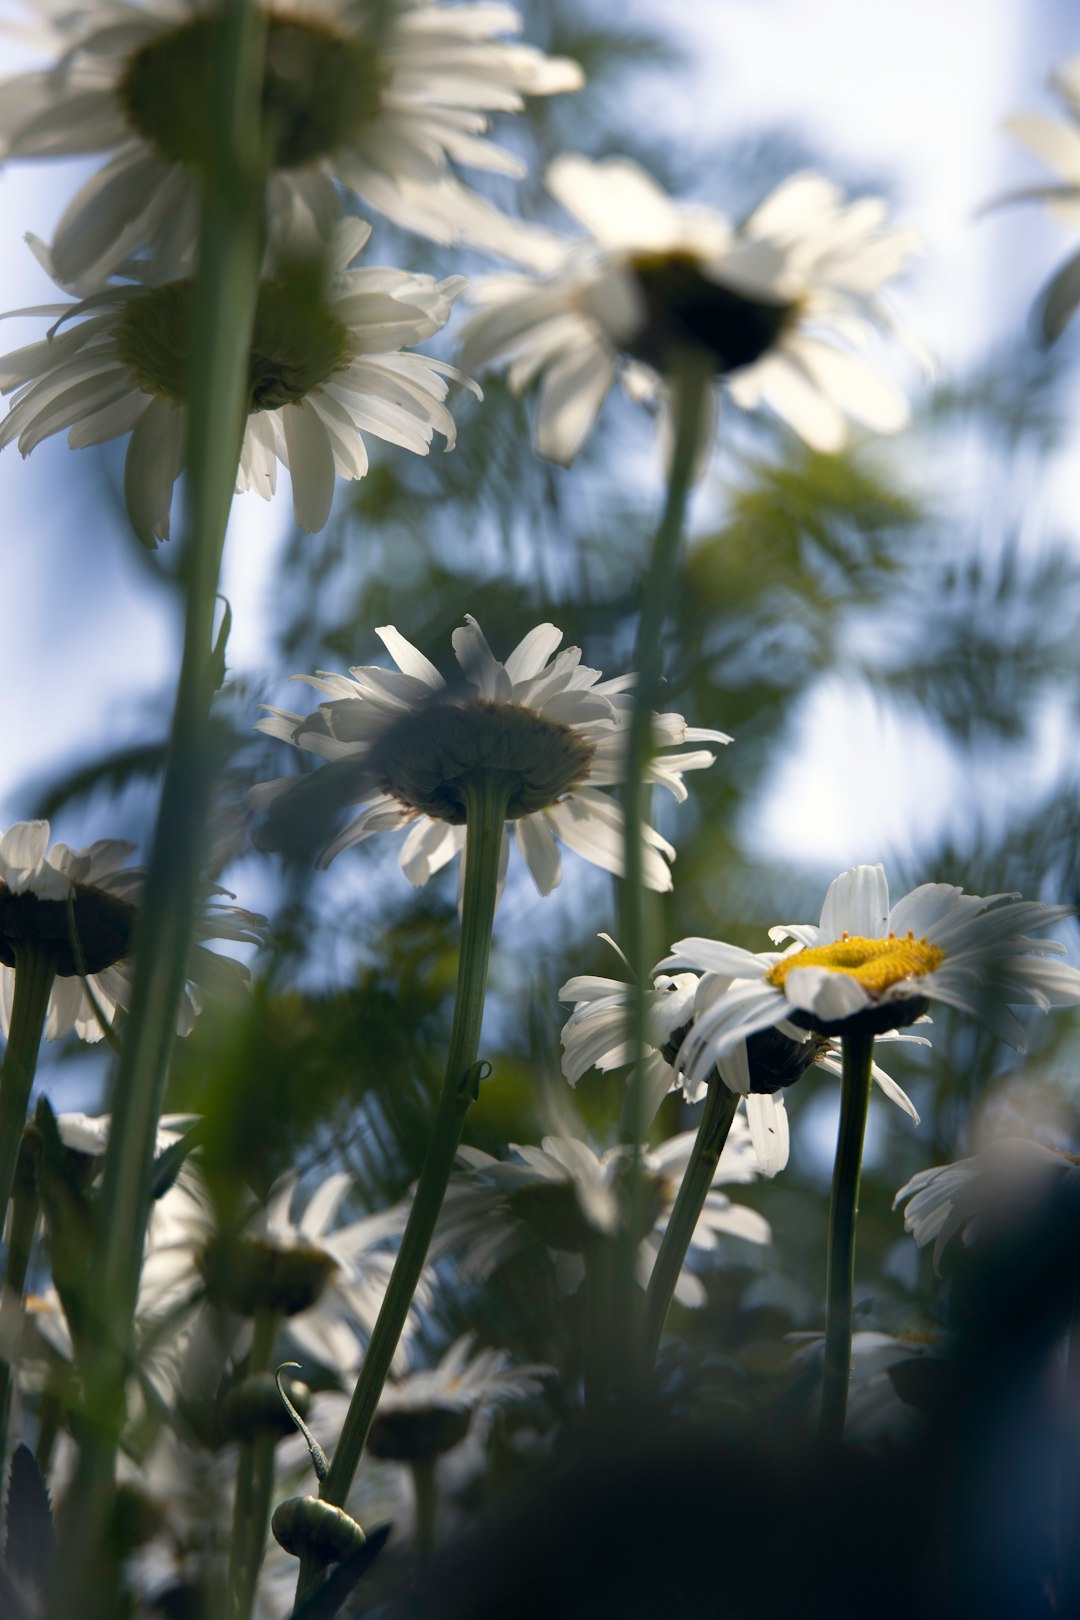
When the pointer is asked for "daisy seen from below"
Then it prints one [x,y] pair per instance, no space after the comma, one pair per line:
[321,1280]
[1057,142]
[981,1194]
[868,966]
[865,968]
[381,97]
[77,908]
[574,1199]
[782,306]
[596,1036]
[404,743]
[327,364]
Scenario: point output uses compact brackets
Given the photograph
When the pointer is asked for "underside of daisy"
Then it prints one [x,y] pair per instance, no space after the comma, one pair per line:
[321,85]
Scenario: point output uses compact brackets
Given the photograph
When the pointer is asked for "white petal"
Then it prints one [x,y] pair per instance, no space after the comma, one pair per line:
[311,465]
[857,903]
[768,1121]
[537,843]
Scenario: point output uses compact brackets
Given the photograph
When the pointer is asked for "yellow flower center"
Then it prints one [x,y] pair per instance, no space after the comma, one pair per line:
[877,964]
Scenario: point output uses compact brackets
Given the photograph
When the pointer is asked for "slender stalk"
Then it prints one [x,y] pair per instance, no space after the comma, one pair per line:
[599,1259]
[34,975]
[843,1210]
[712,1133]
[254,1487]
[426,1496]
[485,814]
[224,299]
[689,385]
[21,1228]
[1068,1593]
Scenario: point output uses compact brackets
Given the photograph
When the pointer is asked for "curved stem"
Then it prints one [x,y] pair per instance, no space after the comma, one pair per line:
[224,300]
[712,1133]
[254,1487]
[843,1211]
[485,815]
[689,385]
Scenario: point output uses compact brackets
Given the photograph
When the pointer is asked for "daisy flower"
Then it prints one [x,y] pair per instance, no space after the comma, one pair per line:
[868,967]
[79,908]
[881,1366]
[983,1192]
[326,1280]
[381,97]
[596,1035]
[783,304]
[1057,142]
[322,370]
[404,744]
[571,1197]
[431,1411]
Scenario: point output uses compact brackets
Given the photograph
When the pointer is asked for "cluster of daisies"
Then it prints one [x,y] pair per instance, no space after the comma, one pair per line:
[381,106]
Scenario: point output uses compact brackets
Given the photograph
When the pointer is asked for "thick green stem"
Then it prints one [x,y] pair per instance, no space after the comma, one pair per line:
[486,802]
[712,1133]
[601,1352]
[224,299]
[689,379]
[254,1487]
[34,975]
[426,1495]
[843,1211]
[21,1228]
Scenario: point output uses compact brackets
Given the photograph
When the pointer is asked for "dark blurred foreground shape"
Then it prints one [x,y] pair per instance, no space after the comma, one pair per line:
[975,1517]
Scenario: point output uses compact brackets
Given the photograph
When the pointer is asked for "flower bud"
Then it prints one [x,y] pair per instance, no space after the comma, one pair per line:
[304,1525]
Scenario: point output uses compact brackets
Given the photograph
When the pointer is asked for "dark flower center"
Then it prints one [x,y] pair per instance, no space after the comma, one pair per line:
[685,309]
[320,87]
[427,759]
[296,343]
[102,928]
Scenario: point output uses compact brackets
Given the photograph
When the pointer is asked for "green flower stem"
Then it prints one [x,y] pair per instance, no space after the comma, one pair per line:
[426,1496]
[225,293]
[712,1133]
[34,975]
[254,1487]
[599,1257]
[843,1210]
[486,801]
[689,378]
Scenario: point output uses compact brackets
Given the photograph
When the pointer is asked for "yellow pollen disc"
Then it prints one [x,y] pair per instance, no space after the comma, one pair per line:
[877,964]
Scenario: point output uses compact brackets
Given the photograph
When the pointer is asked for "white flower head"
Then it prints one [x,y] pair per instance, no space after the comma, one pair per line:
[783,304]
[570,1196]
[1057,143]
[867,967]
[327,1279]
[80,905]
[323,370]
[986,1191]
[430,1411]
[876,1413]
[381,97]
[406,743]
[596,1036]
